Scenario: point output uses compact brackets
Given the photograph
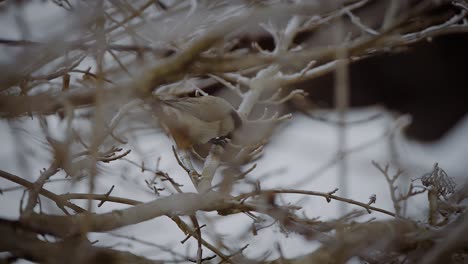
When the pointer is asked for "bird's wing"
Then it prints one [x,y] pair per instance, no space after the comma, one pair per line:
[206,108]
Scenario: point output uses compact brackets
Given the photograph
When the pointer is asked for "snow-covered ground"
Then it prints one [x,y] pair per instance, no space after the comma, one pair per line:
[297,150]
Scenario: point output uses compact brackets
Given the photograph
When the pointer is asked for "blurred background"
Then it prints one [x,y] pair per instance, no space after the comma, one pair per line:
[407,108]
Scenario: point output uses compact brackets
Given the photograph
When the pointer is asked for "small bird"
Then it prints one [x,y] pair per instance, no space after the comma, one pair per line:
[196,120]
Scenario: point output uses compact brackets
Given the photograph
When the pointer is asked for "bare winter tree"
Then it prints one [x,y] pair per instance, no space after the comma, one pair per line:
[85,98]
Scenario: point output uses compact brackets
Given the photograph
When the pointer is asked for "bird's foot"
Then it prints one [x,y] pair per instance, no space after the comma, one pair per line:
[221,141]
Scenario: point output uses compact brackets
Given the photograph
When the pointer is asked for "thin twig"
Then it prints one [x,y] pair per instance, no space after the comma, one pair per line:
[328,196]
[54,197]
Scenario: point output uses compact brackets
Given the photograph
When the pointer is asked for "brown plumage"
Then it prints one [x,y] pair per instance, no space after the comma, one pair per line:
[196,120]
